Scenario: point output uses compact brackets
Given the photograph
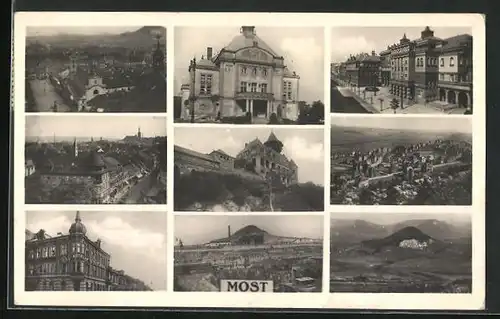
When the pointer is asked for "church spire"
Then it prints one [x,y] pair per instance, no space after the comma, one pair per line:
[77,217]
[139,134]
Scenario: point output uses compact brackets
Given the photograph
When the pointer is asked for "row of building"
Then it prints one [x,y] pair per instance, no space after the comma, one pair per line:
[420,70]
[72,262]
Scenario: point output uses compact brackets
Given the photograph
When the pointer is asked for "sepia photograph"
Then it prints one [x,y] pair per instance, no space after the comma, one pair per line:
[248,253]
[95,251]
[401,161]
[248,169]
[401,70]
[95,160]
[250,75]
[401,253]
[96,69]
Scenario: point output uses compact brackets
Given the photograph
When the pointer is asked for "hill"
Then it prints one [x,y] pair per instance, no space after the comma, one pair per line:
[434,228]
[354,231]
[212,191]
[143,37]
[394,239]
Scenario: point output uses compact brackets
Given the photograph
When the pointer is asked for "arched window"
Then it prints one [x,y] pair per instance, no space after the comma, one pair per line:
[452,61]
[96,92]
[442,62]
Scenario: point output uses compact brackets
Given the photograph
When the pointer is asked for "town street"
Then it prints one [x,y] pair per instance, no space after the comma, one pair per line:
[135,192]
[44,95]
[344,103]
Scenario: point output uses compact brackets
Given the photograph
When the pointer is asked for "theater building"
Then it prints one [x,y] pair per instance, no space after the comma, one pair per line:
[71,262]
[455,70]
[246,77]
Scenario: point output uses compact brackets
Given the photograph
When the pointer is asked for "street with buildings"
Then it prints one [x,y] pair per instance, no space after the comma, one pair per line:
[131,170]
[427,75]
[75,75]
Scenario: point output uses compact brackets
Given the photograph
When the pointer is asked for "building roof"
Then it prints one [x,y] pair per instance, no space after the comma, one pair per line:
[221,152]
[117,81]
[272,138]
[248,38]
[28,162]
[110,161]
[456,41]
[189,152]
[92,160]
[205,63]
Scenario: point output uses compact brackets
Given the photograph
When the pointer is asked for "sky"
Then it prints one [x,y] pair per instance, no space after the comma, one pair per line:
[354,40]
[392,218]
[429,124]
[302,48]
[115,126]
[304,146]
[47,31]
[201,229]
[136,241]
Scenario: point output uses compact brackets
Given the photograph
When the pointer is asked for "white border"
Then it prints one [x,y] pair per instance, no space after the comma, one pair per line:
[323,300]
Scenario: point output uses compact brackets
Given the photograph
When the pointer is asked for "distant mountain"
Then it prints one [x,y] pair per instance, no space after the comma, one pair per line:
[249,230]
[356,230]
[143,37]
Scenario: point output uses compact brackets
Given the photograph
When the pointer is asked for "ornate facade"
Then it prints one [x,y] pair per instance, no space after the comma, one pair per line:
[71,262]
[246,76]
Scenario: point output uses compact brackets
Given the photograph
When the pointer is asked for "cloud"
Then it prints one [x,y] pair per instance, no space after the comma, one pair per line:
[300,149]
[115,231]
[51,226]
[342,47]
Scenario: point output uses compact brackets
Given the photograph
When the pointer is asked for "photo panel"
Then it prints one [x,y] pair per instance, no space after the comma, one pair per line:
[95,251]
[104,69]
[401,160]
[236,253]
[95,159]
[249,75]
[401,70]
[257,169]
[416,252]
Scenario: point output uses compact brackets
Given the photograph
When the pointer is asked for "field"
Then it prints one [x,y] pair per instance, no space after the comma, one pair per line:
[402,270]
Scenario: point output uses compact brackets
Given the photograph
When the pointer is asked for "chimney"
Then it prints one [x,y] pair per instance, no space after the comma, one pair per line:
[228,231]
[98,242]
[248,31]
[209,53]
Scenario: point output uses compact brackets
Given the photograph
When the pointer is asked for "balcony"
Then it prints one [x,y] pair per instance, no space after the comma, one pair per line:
[455,85]
[254,96]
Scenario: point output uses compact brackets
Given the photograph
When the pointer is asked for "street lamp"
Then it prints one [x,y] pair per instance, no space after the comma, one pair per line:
[192,72]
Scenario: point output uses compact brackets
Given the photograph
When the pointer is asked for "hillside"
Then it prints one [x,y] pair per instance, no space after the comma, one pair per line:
[211,191]
[356,230]
[394,239]
[143,37]
[434,228]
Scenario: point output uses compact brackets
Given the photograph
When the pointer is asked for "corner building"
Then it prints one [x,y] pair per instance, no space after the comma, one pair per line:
[72,262]
[246,76]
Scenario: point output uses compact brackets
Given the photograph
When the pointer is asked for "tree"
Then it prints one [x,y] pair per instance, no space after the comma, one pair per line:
[317,112]
[394,104]
[273,119]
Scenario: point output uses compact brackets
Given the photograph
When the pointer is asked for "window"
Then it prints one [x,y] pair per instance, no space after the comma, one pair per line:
[45,252]
[32,254]
[243,86]
[206,84]
[441,76]
[243,70]
[253,87]
[264,72]
[442,62]
[52,252]
[254,71]
[64,249]
[263,87]
[73,247]
[452,61]
[31,270]
[78,250]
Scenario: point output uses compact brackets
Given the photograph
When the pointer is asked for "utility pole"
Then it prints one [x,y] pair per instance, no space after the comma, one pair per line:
[192,72]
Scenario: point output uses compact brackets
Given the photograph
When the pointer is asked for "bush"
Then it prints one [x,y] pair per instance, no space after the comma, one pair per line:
[273,119]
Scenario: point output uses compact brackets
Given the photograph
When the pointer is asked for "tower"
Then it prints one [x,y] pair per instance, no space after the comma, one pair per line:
[75,148]
[228,231]
[139,134]
[273,143]
[158,56]
[75,264]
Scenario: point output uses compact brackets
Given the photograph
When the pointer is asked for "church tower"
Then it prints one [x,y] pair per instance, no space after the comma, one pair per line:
[273,143]
[158,56]
[139,134]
